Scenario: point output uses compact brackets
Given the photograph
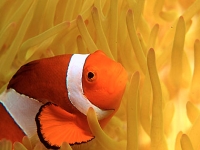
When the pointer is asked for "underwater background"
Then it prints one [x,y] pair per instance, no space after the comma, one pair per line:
[156,41]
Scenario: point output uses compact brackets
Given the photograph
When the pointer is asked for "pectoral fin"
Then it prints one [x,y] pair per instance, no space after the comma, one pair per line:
[55,126]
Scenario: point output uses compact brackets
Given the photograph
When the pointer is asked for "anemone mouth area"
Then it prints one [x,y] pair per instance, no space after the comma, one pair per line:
[157,40]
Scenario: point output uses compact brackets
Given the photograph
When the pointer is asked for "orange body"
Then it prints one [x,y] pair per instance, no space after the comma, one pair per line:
[8,128]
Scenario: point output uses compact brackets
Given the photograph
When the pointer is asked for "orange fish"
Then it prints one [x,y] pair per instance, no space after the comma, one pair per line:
[51,96]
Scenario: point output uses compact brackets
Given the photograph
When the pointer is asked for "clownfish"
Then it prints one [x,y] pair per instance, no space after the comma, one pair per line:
[51,97]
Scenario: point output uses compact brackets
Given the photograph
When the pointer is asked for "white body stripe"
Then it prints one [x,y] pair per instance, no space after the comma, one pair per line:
[75,89]
[22,109]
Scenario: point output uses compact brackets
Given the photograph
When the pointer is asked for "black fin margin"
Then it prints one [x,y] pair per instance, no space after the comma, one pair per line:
[41,137]
[46,143]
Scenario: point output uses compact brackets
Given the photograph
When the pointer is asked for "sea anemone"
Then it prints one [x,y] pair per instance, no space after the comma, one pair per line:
[156,41]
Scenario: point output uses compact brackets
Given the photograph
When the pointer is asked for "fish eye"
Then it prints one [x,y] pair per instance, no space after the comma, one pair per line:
[91,76]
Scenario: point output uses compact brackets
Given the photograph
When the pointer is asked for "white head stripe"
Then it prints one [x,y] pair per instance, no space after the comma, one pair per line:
[75,89]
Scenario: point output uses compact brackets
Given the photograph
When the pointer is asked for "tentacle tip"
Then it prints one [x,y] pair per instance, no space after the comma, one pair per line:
[68,23]
[13,24]
[150,55]
[130,11]
[151,52]
[90,111]
[181,18]
[157,25]
[197,41]
[137,73]
[79,17]
[79,37]
[94,8]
